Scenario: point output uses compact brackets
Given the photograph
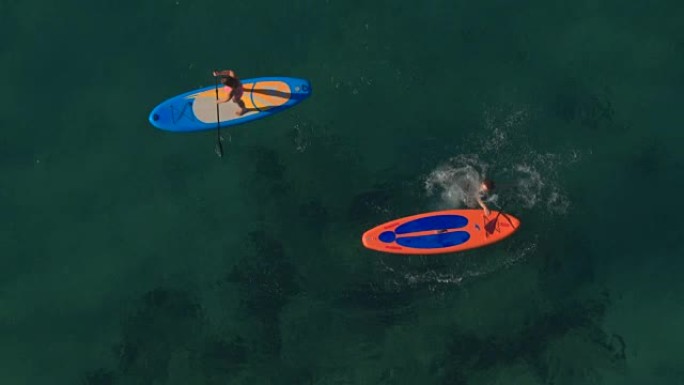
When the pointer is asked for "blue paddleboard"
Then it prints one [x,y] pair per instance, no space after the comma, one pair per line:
[196,110]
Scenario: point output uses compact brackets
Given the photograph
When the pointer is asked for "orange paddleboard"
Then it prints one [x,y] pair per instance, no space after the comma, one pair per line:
[440,232]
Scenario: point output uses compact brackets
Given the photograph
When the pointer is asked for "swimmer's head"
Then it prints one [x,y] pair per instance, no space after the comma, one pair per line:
[487,185]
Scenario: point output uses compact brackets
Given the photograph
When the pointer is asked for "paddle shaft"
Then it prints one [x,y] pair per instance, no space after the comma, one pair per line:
[218,122]
[501,211]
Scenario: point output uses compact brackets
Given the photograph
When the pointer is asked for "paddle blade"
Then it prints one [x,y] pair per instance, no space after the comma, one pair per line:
[491,225]
[219,149]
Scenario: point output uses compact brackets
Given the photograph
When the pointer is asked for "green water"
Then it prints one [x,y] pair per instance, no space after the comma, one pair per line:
[135,256]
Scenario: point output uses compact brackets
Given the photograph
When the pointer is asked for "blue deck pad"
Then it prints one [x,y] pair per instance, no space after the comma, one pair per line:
[436,222]
[387,237]
[435,241]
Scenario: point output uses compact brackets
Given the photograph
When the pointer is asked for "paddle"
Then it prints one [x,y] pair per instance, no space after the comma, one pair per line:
[219,145]
[491,225]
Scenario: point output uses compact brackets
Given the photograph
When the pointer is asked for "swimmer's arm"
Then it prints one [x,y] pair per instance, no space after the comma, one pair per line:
[225,73]
[484,206]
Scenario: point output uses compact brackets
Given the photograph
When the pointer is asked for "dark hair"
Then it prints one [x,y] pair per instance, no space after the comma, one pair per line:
[488,183]
[229,81]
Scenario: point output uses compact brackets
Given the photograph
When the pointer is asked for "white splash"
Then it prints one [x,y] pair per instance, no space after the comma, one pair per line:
[303,133]
[528,185]
[527,179]
[457,181]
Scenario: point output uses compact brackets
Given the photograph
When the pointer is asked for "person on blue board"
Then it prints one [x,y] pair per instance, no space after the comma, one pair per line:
[486,188]
[233,88]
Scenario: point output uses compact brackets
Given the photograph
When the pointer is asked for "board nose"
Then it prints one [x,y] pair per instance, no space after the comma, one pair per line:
[156,118]
[303,88]
[367,238]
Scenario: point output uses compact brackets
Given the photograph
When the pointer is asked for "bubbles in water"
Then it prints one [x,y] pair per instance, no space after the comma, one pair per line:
[419,274]
[431,278]
[495,142]
[457,181]
[557,202]
[302,135]
[498,129]
[526,179]
[351,85]
[528,185]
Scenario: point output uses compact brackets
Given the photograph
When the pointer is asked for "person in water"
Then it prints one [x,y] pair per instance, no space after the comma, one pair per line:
[233,88]
[486,188]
